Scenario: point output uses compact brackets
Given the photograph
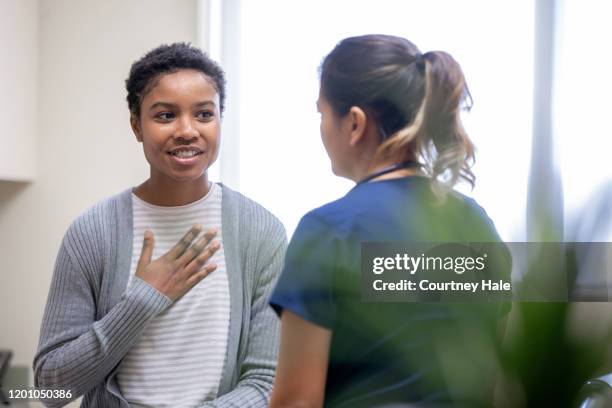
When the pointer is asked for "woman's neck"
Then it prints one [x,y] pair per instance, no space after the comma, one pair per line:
[172,193]
[373,168]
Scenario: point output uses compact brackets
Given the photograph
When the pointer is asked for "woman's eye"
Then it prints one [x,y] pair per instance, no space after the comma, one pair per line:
[205,115]
[165,115]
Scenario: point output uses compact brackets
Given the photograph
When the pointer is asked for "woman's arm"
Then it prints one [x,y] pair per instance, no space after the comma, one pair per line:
[302,364]
[76,352]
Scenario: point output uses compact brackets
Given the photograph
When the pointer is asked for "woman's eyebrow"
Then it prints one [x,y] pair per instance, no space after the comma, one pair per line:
[162,104]
[172,105]
[203,103]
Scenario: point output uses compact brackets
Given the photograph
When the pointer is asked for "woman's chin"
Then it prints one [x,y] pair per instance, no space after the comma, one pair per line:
[338,172]
[191,177]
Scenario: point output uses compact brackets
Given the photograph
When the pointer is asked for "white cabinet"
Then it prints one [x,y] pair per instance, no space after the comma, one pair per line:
[18,89]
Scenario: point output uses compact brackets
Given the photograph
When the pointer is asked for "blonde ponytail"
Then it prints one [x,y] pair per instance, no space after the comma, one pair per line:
[436,135]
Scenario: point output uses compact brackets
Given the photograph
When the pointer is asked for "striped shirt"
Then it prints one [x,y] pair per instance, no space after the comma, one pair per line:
[178,360]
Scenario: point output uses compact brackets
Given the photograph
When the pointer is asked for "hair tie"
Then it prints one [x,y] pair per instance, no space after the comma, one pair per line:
[420,61]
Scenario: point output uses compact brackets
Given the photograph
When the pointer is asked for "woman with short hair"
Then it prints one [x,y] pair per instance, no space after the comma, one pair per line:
[143,311]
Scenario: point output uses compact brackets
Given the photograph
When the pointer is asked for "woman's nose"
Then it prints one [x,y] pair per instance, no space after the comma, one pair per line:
[186,130]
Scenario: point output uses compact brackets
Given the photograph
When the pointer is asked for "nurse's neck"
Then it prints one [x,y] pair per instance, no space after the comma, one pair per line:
[172,193]
[365,168]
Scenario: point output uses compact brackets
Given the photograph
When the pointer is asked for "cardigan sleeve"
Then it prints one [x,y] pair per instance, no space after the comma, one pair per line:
[75,351]
[257,370]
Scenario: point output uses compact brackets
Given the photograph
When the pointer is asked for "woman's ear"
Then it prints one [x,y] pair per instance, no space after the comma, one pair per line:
[135,123]
[358,121]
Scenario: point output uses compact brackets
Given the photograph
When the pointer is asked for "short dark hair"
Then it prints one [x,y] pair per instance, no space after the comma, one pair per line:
[167,59]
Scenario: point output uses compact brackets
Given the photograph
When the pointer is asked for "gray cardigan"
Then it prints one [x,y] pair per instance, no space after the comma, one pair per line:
[91,321]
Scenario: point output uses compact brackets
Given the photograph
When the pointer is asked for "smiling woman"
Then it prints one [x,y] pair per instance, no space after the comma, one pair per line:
[179,127]
[182,322]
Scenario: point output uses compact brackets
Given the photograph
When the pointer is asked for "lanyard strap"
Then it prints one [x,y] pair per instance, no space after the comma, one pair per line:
[397,166]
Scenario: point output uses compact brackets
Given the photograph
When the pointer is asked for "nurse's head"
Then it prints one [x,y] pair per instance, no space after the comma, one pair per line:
[176,97]
[383,102]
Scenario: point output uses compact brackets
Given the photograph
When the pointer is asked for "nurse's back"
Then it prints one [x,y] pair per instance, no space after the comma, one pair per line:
[388,352]
[390,121]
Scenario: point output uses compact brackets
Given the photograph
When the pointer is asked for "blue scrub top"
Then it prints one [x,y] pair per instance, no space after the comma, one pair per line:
[386,352]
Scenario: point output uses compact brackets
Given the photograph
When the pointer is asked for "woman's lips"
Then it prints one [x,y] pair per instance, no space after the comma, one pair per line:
[186,160]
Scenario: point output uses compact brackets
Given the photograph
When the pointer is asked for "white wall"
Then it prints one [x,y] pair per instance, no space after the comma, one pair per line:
[86,148]
[18,88]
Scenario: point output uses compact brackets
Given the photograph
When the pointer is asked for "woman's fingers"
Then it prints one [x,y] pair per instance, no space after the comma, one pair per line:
[200,274]
[199,261]
[180,247]
[201,246]
[181,268]
[147,250]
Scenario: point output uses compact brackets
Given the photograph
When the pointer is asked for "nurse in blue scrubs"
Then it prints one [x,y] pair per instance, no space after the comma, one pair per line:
[390,121]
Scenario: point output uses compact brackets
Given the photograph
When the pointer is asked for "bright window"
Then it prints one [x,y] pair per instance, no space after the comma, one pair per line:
[582,109]
[283,164]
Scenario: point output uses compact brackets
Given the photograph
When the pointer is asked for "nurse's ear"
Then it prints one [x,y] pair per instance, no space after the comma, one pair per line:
[135,123]
[358,122]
